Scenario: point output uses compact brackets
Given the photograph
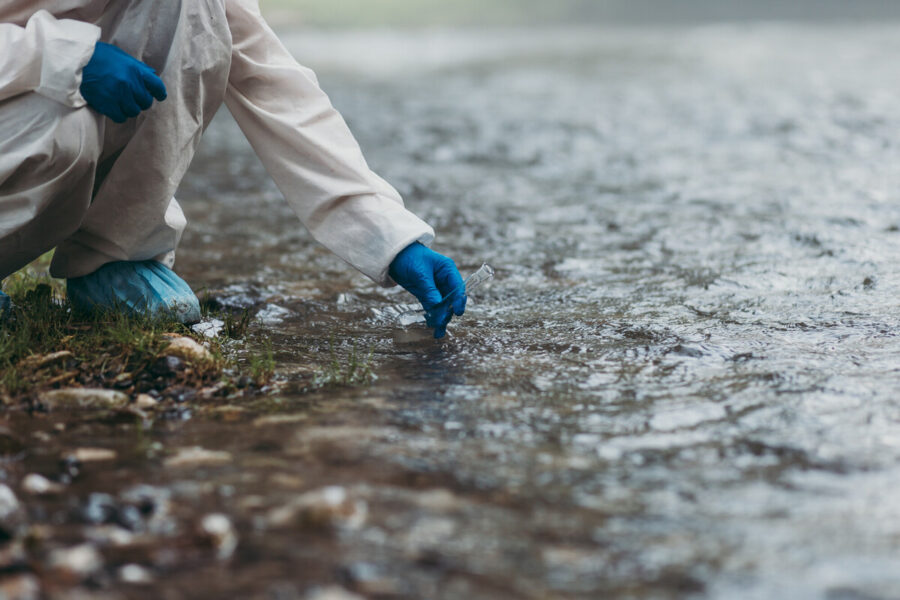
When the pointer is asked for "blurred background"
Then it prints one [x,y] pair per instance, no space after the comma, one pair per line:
[358,13]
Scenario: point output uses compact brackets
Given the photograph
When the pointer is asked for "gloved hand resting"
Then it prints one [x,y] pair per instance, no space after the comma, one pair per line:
[429,277]
[118,85]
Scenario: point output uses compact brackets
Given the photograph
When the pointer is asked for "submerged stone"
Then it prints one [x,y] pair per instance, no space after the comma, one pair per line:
[38,485]
[219,532]
[85,455]
[76,563]
[330,506]
[135,574]
[196,456]
[83,398]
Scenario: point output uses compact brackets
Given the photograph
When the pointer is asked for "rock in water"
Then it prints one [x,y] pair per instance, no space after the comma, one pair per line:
[220,533]
[38,485]
[12,517]
[197,457]
[83,398]
[326,507]
[76,563]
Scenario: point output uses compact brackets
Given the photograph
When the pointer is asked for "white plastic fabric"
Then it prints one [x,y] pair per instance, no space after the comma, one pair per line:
[102,192]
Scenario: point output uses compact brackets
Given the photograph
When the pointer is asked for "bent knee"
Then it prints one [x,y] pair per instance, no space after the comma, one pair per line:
[42,140]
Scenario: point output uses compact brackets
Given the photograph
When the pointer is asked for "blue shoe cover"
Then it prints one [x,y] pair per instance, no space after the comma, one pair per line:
[5,305]
[143,288]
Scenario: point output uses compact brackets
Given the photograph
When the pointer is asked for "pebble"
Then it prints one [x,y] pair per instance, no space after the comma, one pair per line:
[188,350]
[83,398]
[10,508]
[145,401]
[279,420]
[196,456]
[76,563]
[330,506]
[109,535]
[85,455]
[220,533]
[166,365]
[38,485]
[210,328]
[332,593]
[135,574]
[24,586]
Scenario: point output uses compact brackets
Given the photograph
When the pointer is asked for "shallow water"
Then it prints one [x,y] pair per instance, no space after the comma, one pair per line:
[681,384]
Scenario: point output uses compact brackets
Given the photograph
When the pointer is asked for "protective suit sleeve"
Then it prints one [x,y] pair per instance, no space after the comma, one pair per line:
[46,56]
[308,150]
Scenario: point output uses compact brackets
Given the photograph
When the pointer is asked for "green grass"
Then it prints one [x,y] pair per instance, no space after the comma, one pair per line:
[45,344]
[354,371]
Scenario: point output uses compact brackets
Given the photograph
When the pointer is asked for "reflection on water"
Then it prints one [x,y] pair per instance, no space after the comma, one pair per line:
[681,382]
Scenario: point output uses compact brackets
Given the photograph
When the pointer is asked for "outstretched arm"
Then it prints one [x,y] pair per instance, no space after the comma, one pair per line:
[307,148]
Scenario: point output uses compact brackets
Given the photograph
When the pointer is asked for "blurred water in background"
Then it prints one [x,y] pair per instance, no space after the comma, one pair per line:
[683,382]
[356,13]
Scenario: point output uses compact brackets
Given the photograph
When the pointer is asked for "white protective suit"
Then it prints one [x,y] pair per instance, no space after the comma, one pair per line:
[101,191]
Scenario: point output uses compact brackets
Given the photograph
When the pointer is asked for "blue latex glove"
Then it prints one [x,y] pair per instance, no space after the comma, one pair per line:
[118,85]
[431,277]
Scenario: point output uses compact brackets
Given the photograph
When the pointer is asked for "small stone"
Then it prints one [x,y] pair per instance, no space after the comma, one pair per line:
[279,420]
[210,328]
[23,586]
[83,398]
[218,530]
[188,350]
[229,412]
[100,508]
[76,563]
[10,509]
[366,578]
[38,485]
[13,557]
[196,456]
[123,380]
[332,593]
[12,517]
[85,455]
[286,480]
[145,401]
[166,365]
[109,535]
[326,507]
[135,574]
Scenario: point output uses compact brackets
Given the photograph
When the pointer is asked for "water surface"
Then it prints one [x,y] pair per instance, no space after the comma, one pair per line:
[681,384]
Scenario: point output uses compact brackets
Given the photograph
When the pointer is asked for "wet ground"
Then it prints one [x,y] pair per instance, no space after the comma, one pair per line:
[682,383]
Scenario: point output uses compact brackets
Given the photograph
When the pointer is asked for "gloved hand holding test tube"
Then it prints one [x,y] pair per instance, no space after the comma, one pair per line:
[438,315]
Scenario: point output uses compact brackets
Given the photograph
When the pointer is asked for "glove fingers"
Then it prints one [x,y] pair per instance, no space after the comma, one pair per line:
[129,107]
[449,281]
[114,113]
[154,84]
[426,293]
[143,98]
